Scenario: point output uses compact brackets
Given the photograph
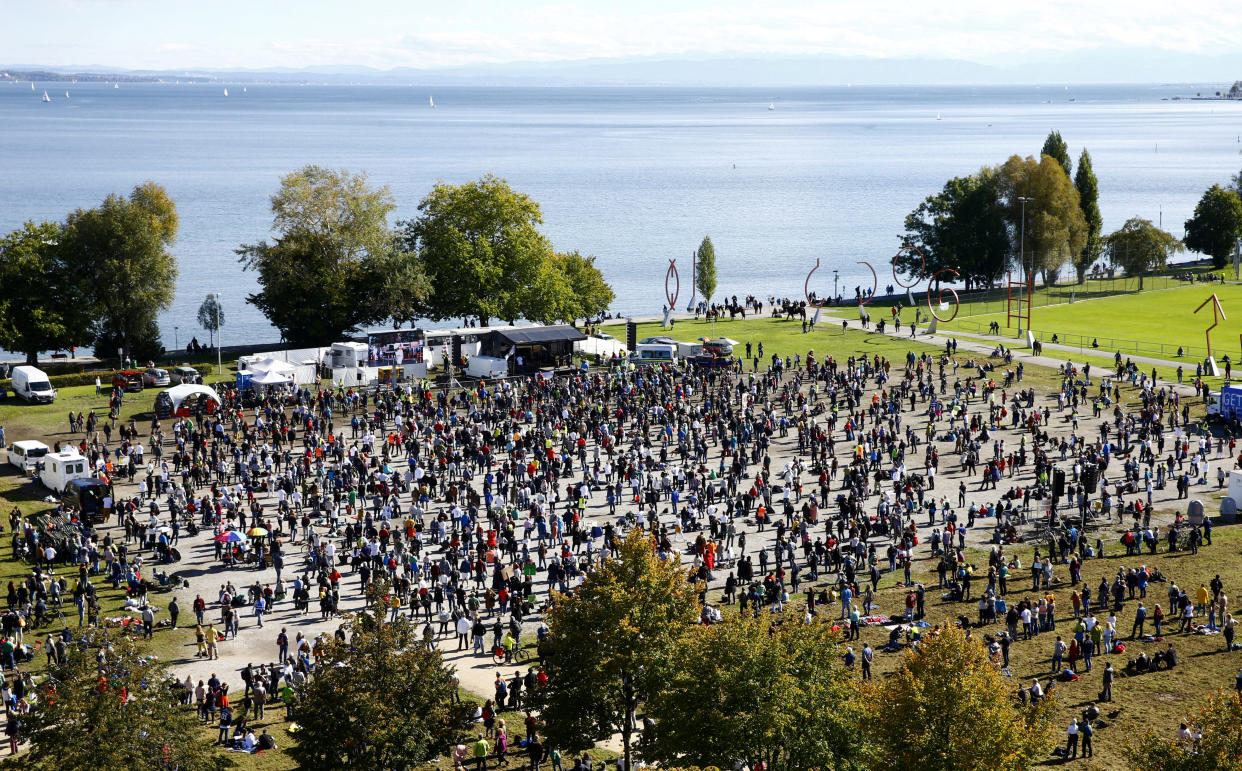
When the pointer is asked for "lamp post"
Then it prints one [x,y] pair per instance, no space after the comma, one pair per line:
[177,337]
[1023,200]
[836,274]
[219,339]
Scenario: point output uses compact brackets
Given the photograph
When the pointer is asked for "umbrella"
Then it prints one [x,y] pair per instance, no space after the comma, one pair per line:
[256,531]
[229,536]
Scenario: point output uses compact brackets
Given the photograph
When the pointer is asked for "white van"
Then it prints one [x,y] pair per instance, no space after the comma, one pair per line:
[32,384]
[27,454]
[654,353]
[61,468]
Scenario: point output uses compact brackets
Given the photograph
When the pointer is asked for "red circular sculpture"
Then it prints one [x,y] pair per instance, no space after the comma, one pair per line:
[672,274]
[922,266]
[875,284]
[957,303]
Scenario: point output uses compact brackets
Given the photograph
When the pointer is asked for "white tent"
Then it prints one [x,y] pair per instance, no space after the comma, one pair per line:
[270,378]
[271,365]
[180,393]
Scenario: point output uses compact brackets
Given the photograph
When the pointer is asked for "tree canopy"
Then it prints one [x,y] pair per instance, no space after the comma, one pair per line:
[480,246]
[1220,722]
[334,265]
[1216,224]
[47,301]
[752,690]
[705,270]
[211,315]
[123,245]
[380,700]
[1089,201]
[1054,225]
[947,708]
[1058,149]
[611,644]
[961,228]
[1140,247]
[126,716]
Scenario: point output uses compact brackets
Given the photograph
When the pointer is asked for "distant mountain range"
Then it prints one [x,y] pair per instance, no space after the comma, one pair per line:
[1100,66]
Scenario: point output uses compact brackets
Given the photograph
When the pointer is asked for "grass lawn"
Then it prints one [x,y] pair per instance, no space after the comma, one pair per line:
[784,337]
[1152,323]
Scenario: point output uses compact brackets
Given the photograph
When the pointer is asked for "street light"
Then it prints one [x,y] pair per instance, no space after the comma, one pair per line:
[177,338]
[219,339]
[1024,200]
[835,275]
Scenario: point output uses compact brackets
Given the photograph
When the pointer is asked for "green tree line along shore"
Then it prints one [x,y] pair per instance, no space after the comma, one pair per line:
[334,263]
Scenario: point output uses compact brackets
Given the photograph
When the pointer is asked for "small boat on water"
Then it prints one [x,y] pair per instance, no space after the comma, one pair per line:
[243,89]
[432,101]
[32,88]
[226,92]
[771,105]
[116,85]
[46,98]
[66,94]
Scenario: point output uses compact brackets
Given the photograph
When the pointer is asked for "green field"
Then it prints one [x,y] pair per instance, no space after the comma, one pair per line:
[1154,323]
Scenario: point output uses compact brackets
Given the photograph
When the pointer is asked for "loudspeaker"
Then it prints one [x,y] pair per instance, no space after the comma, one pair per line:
[1091,478]
[1058,482]
[631,335]
[456,346]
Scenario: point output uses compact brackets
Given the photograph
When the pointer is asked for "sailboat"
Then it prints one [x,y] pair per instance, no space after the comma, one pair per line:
[432,101]
[66,94]
[32,85]
[771,105]
[46,98]
[116,85]
[226,92]
[937,116]
[243,89]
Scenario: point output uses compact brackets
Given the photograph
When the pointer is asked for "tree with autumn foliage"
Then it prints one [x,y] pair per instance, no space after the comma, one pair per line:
[379,700]
[121,713]
[750,689]
[947,707]
[1219,749]
[612,644]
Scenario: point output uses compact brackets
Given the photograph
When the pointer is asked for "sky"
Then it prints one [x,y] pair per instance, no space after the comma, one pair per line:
[265,34]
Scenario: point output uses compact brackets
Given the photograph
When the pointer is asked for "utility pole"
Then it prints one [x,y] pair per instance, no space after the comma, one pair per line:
[1023,200]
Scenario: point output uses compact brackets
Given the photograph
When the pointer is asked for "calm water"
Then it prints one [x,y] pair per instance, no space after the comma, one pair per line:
[634,176]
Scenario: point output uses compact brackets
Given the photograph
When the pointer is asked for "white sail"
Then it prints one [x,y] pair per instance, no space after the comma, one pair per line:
[66,94]
[46,98]
[226,92]
[431,100]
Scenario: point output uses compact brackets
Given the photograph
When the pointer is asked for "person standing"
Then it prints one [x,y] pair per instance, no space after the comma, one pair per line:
[1071,742]
[174,610]
[1109,674]
[867,655]
[1085,732]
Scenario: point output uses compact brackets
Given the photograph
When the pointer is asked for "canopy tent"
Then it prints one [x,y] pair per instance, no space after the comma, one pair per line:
[270,378]
[173,401]
[271,365]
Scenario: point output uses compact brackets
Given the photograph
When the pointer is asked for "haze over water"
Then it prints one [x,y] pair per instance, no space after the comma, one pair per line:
[634,176]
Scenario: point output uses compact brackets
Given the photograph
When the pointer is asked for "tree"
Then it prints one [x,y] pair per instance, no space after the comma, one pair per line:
[1140,247]
[705,270]
[611,644]
[1054,226]
[334,264]
[744,690]
[1216,224]
[1057,147]
[211,316]
[960,228]
[1089,201]
[380,700]
[47,302]
[484,256]
[1220,722]
[123,245]
[948,707]
[125,717]
[587,293]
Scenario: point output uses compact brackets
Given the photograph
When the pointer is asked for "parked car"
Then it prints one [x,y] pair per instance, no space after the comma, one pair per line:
[185,374]
[27,453]
[129,380]
[89,496]
[156,378]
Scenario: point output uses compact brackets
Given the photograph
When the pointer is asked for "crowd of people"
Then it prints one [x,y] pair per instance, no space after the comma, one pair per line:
[785,483]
